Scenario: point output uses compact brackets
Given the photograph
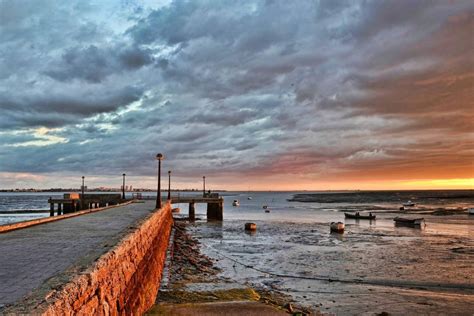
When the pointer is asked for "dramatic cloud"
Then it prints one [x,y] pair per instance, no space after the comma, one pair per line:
[304,93]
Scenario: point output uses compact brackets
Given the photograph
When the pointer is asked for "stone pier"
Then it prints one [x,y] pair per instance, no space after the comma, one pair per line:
[107,262]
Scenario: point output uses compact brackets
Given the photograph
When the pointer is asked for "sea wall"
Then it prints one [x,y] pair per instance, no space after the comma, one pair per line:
[123,281]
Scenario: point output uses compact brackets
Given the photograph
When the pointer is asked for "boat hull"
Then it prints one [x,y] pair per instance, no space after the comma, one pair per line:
[409,222]
[353,216]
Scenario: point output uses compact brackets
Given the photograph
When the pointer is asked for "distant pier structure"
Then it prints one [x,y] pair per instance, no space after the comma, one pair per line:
[215,205]
[71,202]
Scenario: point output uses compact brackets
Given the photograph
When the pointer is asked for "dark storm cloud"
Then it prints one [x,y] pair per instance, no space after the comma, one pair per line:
[94,65]
[344,89]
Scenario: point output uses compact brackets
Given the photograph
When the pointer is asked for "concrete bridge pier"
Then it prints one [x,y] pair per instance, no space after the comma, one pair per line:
[51,209]
[192,211]
[215,211]
[60,208]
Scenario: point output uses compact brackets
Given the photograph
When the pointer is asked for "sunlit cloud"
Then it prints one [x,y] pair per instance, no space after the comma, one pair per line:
[294,95]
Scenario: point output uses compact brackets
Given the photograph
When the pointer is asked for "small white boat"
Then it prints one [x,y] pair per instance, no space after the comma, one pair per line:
[249,198]
[235,203]
[471,211]
[337,227]
[409,203]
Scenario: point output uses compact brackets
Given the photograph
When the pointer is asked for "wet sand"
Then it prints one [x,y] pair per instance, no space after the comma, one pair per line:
[367,270]
[375,267]
[192,286]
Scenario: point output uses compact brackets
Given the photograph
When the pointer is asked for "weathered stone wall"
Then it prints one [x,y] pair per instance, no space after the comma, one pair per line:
[124,281]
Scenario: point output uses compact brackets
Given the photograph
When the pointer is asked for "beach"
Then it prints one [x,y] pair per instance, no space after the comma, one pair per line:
[374,267]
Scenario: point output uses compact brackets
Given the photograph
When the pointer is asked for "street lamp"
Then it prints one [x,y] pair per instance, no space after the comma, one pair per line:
[159,157]
[169,185]
[203,186]
[82,195]
[123,186]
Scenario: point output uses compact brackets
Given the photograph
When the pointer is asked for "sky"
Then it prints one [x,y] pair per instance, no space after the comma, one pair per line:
[255,95]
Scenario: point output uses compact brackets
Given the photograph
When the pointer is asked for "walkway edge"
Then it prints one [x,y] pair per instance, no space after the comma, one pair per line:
[25,224]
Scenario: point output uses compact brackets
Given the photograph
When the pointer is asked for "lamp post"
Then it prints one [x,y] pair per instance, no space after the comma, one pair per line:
[203,186]
[169,185]
[159,157]
[123,186]
[82,195]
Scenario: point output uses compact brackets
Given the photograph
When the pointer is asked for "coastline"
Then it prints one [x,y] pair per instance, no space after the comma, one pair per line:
[194,285]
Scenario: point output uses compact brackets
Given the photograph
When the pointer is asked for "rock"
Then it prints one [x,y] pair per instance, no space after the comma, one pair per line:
[289,307]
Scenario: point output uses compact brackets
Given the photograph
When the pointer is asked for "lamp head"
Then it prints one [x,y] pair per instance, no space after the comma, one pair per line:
[160,156]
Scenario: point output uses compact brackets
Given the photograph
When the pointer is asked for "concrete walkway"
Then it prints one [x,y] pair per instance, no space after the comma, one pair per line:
[42,256]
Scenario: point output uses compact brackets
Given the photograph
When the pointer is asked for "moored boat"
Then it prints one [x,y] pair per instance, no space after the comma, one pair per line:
[358,216]
[236,203]
[471,211]
[265,207]
[409,221]
[337,227]
[409,203]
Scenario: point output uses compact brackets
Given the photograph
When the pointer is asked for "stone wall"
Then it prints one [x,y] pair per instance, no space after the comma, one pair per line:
[124,281]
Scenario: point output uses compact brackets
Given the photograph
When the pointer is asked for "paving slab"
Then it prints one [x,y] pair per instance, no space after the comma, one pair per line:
[32,256]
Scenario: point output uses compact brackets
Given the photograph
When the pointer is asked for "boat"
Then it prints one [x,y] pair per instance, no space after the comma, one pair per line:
[176,210]
[409,221]
[267,210]
[265,207]
[409,203]
[235,203]
[358,216]
[249,198]
[337,227]
[471,211]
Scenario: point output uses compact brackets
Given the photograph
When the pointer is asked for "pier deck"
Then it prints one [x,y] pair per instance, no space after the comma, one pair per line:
[50,251]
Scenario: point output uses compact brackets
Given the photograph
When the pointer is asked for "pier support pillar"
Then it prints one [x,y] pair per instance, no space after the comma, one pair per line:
[51,209]
[215,211]
[69,207]
[60,208]
[192,211]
